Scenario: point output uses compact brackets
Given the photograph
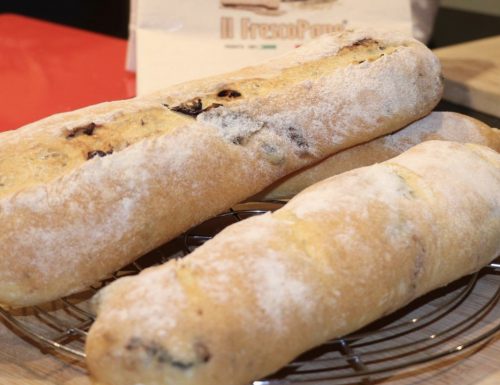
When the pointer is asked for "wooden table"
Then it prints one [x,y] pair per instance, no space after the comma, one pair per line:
[21,363]
[472,74]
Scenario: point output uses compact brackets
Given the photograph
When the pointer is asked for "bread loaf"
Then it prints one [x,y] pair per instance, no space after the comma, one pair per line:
[339,255]
[436,126]
[86,192]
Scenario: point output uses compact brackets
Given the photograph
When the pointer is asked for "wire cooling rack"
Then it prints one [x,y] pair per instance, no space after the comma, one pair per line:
[446,322]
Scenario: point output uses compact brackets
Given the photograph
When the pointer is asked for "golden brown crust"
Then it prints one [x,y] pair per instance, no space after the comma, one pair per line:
[450,126]
[339,255]
[71,221]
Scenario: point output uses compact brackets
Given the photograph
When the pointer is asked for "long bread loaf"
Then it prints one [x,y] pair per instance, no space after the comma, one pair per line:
[339,255]
[86,192]
[450,126]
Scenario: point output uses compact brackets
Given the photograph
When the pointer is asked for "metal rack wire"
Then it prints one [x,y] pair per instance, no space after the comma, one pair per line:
[445,322]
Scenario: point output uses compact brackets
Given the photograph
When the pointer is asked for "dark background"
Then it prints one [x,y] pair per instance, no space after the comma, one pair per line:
[105,16]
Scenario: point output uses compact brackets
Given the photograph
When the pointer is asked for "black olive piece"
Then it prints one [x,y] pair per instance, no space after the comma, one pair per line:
[229,94]
[237,140]
[160,354]
[191,107]
[202,352]
[179,364]
[297,137]
[211,106]
[86,130]
[92,154]
[133,343]
[364,41]
[89,130]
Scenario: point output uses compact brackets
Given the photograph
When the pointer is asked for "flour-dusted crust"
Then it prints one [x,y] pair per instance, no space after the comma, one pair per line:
[86,192]
[339,255]
[450,126]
